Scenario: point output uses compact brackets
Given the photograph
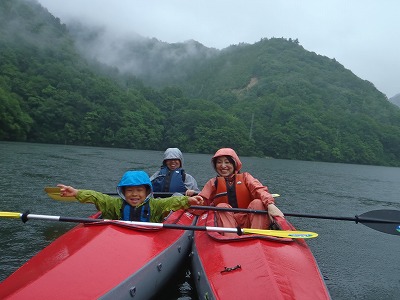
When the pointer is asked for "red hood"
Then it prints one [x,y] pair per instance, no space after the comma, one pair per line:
[228,152]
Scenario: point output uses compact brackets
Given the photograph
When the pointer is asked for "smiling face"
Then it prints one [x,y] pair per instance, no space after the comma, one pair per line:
[135,195]
[173,164]
[223,166]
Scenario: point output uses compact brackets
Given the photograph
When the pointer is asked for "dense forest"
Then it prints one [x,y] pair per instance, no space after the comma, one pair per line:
[272,98]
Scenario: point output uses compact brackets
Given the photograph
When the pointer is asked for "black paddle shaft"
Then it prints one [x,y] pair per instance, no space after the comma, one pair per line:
[384,220]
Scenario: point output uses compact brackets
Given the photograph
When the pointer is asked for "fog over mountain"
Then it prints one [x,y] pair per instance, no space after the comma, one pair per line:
[133,53]
[361,35]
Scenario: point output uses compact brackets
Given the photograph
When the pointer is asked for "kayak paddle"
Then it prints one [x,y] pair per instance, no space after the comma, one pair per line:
[383,220]
[293,234]
[54,193]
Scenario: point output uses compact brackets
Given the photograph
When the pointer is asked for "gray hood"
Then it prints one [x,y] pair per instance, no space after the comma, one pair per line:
[173,153]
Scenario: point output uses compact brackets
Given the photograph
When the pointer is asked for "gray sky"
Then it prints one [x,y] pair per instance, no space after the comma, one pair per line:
[363,35]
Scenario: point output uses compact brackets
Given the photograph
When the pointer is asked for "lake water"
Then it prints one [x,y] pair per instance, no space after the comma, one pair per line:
[357,262]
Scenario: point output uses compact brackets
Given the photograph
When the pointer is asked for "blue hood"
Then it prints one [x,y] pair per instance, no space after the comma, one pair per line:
[134,178]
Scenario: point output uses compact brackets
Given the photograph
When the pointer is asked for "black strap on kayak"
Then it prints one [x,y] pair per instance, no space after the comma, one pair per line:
[226,269]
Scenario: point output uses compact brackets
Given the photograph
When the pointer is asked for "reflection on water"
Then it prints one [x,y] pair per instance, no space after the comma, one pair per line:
[356,261]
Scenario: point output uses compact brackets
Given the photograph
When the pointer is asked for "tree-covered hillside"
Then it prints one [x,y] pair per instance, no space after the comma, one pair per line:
[302,105]
[49,93]
[272,98]
[294,103]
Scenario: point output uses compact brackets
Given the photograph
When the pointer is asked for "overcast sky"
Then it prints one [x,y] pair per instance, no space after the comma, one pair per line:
[363,35]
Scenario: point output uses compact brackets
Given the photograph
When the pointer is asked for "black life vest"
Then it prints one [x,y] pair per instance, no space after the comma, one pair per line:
[141,213]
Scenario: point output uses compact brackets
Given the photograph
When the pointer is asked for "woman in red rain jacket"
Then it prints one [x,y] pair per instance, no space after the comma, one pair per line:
[239,190]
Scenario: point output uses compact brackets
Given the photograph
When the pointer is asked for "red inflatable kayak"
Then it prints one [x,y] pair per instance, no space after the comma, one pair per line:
[254,266]
[103,261]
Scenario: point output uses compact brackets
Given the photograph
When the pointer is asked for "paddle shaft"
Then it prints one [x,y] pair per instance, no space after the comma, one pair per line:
[357,219]
[276,233]
[90,220]
[383,220]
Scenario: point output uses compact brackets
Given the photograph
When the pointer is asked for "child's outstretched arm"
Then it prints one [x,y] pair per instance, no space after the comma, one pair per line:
[67,191]
[195,200]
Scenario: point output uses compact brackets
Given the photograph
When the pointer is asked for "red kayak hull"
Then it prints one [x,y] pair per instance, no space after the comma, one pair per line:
[103,261]
[254,267]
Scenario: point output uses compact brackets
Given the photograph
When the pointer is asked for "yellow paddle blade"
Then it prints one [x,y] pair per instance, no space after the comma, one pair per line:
[275,195]
[54,193]
[292,234]
[6,214]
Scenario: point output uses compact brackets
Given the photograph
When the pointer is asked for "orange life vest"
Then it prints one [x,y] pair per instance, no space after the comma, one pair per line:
[236,195]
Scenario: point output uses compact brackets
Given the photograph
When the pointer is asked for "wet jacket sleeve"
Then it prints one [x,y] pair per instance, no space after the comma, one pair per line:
[110,207]
[191,183]
[208,192]
[161,206]
[257,190]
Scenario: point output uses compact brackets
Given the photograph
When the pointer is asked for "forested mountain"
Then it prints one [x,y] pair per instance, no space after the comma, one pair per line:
[49,93]
[60,84]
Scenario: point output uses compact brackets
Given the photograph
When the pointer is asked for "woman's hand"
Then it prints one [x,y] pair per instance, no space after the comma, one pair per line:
[190,193]
[196,200]
[67,191]
[273,211]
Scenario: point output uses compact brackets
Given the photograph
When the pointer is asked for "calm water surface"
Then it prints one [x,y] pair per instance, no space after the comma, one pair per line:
[356,261]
